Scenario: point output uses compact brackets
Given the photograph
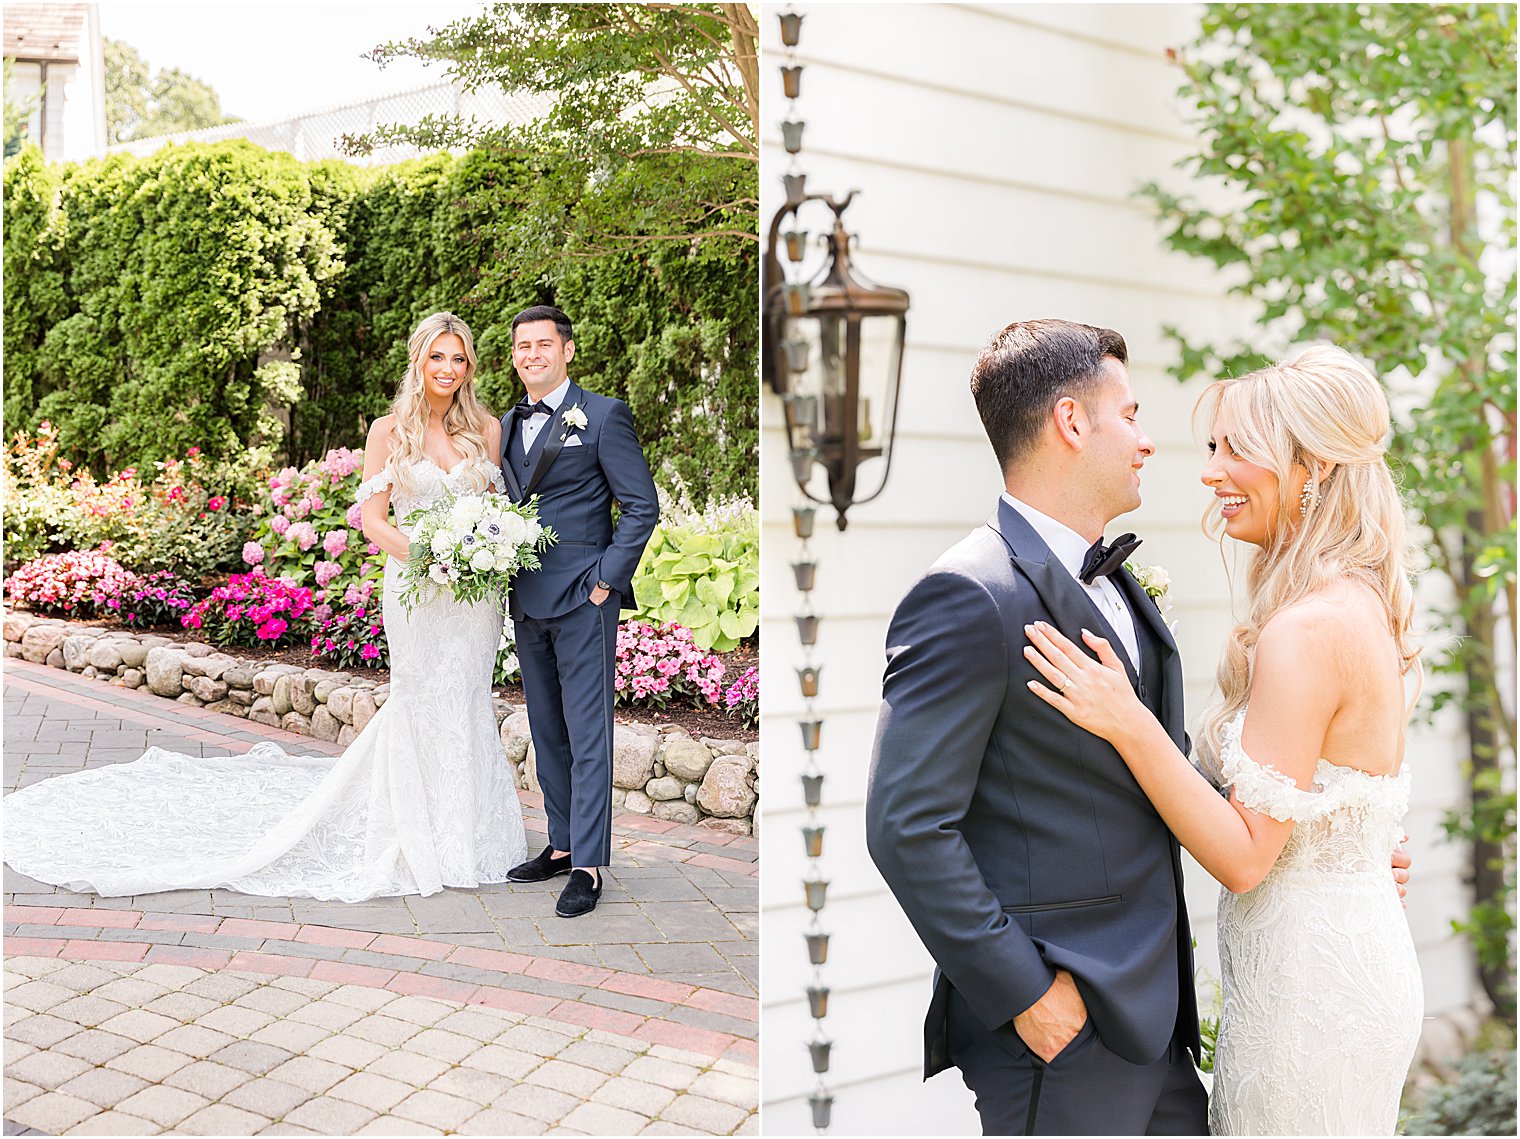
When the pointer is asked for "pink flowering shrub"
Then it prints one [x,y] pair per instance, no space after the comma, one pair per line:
[350,632]
[66,583]
[742,699]
[187,513]
[309,526]
[160,598]
[252,609]
[656,664]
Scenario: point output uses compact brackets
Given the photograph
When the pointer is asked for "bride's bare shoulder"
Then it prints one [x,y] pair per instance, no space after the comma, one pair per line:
[1346,621]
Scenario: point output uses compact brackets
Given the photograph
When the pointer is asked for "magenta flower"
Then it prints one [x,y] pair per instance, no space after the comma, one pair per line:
[271,630]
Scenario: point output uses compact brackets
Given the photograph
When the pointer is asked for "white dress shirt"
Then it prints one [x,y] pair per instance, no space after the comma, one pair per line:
[533,424]
[1070,549]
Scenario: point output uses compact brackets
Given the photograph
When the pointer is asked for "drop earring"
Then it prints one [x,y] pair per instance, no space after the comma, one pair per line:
[1308,498]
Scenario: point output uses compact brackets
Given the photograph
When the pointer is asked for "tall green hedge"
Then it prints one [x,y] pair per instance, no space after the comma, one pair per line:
[142,294]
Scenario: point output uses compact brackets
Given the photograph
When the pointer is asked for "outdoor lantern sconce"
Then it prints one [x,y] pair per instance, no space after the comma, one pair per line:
[833,352]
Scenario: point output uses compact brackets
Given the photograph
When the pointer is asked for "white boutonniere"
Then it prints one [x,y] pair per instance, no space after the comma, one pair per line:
[1155,581]
[574,418]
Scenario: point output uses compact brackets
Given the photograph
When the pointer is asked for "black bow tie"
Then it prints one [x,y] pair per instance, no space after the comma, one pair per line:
[525,409]
[1103,560]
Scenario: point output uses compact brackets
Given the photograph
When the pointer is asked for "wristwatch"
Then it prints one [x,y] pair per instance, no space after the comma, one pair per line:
[603,585]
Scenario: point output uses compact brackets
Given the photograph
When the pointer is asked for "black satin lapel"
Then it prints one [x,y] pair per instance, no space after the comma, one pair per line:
[551,440]
[510,424]
[1071,610]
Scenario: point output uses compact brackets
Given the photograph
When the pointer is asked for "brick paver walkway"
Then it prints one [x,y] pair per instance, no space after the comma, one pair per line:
[476,1011]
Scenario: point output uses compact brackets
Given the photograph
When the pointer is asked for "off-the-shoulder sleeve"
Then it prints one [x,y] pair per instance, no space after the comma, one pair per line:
[371,487]
[1261,787]
[498,484]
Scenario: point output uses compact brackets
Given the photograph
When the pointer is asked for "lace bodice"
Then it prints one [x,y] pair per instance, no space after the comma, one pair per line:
[429,481]
[1348,823]
[1322,990]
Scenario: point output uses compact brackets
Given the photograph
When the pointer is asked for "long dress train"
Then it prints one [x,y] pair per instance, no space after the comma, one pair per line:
[422,799]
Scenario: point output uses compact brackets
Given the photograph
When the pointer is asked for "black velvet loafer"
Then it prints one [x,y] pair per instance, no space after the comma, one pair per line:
[540,868]
[579,895]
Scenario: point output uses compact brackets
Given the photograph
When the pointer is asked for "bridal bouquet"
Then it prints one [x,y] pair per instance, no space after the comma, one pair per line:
[472,545]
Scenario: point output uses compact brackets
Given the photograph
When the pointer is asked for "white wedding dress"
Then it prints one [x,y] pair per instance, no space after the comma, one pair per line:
[422,799]
[1322,992]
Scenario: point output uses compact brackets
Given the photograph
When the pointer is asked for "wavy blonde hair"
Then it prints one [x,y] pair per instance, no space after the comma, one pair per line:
[1321,405]
[464,422]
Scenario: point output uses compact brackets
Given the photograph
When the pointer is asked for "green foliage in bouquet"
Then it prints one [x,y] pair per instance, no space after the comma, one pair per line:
[703,572]
[471,545]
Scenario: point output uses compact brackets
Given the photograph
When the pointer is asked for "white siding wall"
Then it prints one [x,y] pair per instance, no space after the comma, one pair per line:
[997,150]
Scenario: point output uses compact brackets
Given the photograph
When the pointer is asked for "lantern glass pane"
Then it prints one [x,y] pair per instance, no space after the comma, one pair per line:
[880,344]
[820,342]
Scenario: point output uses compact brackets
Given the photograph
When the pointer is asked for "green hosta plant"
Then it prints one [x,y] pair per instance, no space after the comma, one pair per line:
[703,572]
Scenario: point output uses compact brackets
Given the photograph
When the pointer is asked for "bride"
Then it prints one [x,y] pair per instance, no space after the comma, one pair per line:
[1322,990]
[421,799]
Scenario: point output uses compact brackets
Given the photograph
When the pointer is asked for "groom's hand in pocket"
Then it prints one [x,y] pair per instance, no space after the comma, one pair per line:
[1053,1021]
[598,595]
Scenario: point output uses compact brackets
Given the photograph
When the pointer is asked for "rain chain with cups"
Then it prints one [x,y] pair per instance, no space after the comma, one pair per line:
[815,886]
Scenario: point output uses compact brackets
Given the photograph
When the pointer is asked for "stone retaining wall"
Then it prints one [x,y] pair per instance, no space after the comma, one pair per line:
[662,772]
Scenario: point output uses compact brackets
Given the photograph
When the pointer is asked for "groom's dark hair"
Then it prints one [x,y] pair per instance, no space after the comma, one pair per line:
[544,312]
[1026,368]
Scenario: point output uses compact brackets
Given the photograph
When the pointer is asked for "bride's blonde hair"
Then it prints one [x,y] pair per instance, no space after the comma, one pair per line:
[465,421]
[1321,405]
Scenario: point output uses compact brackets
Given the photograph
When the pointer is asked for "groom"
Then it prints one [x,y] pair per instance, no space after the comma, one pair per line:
[1039,877]
[577,452]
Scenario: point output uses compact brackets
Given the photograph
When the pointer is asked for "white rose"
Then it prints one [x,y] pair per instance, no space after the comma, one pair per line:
[504,561]
[535,531]
[453,573]
[482,560]
[443,543]
[438,573]
[469,508]
[514,529]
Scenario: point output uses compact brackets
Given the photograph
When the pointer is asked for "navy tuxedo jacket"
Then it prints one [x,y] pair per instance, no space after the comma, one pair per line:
[576,486]
[1016,842]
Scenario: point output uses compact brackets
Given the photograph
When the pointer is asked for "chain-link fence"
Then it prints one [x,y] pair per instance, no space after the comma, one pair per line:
[317,134]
